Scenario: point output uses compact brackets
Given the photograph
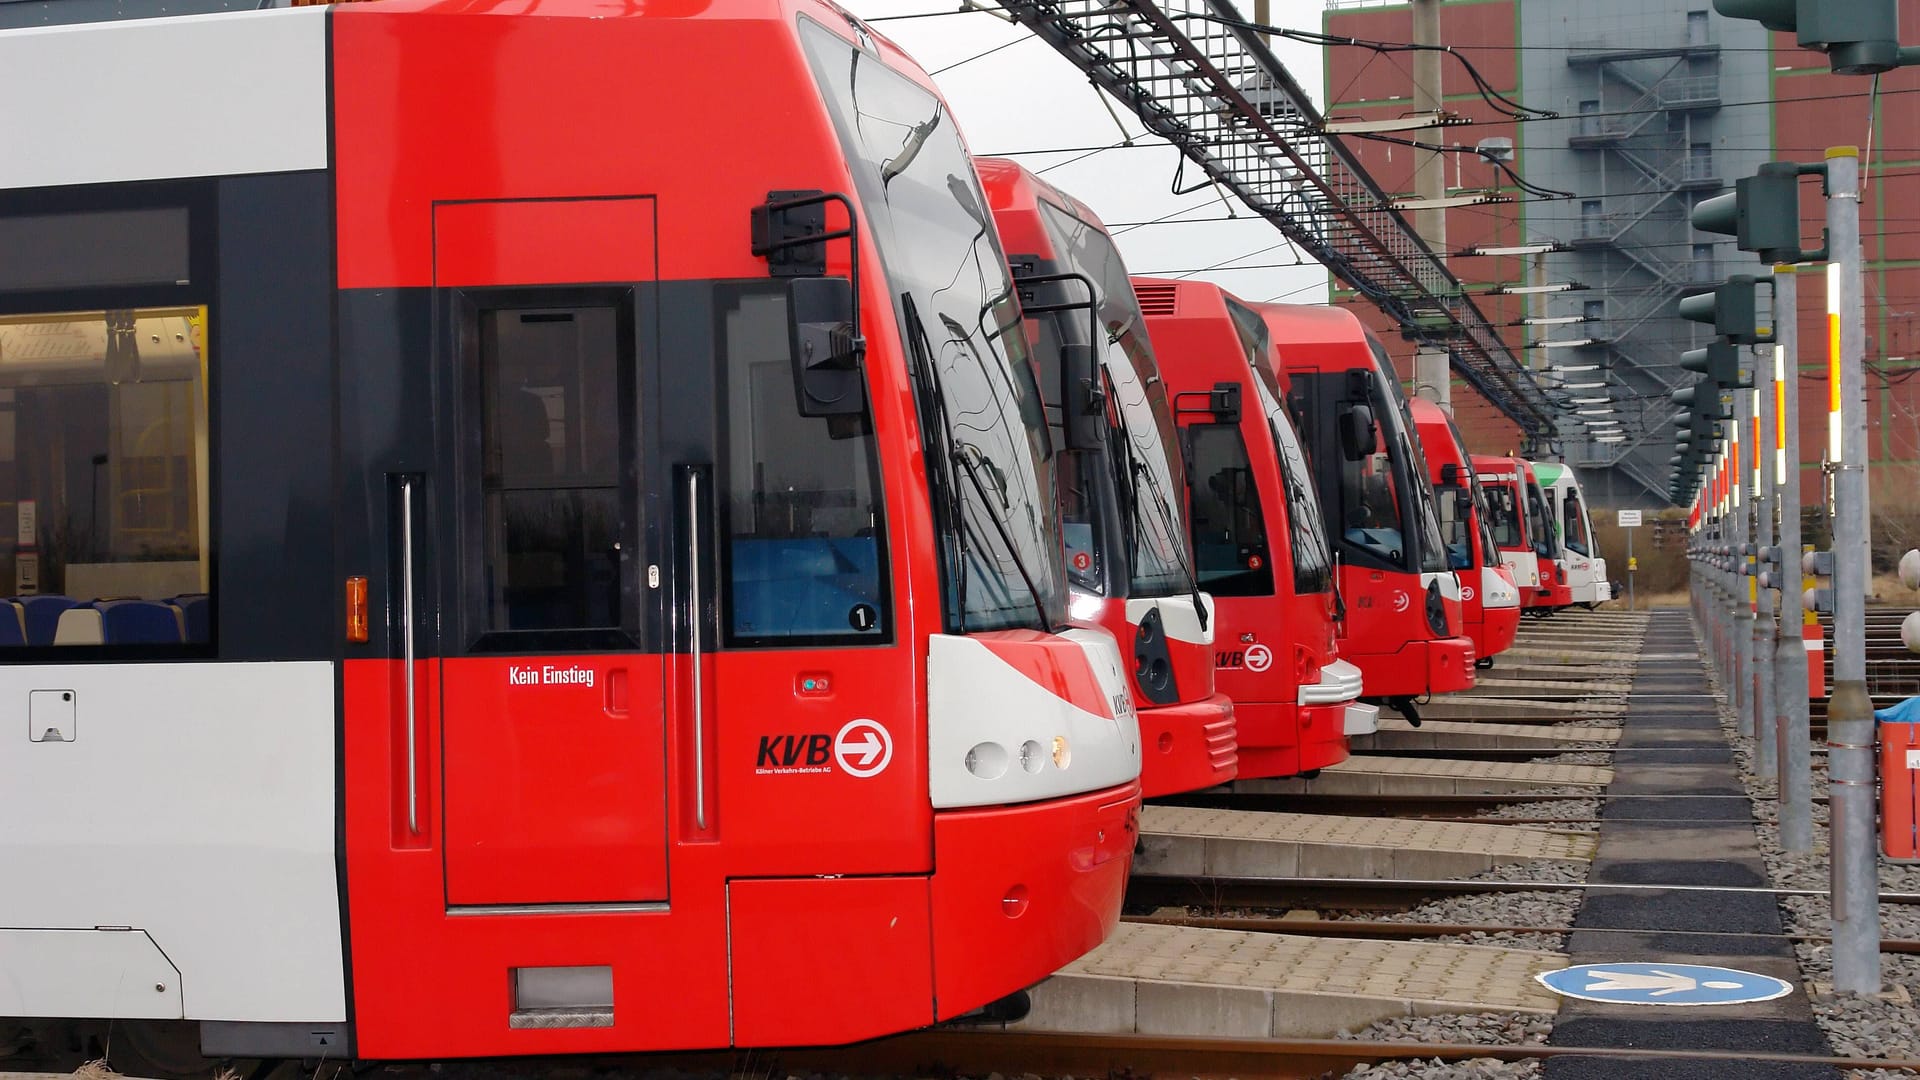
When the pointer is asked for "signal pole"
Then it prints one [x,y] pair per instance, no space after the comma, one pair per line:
[1850,735]
[1432,374]
[1766,748]
[1740,648]
[1789,652]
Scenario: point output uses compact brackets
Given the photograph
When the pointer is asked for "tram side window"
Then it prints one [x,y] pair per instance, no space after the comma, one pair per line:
[1370,499]
[551,517]
[806,547]
[1504,513]
[1229,533]
[1574,524]
[103,478]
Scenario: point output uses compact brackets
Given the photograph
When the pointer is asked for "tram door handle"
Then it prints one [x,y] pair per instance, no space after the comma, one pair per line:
[696,644]
[407,649]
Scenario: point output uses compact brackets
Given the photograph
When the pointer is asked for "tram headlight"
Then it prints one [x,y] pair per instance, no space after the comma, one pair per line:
[1436,610]
[988,761]
[1062,754]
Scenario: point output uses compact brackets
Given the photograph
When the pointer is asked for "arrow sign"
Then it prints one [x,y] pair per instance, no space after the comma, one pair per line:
[863,748]
[1663,984]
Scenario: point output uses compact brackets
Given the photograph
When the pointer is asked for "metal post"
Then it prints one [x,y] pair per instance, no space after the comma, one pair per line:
[1432,374]
[1766,744]
[1850,756]
[1629,569]
[1789,651]
[1740,626]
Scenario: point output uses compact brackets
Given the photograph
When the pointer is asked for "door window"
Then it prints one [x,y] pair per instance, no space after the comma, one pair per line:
[555,431]
[1229,535]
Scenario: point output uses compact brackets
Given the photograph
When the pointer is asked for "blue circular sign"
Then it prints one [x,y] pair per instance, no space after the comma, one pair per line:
[1663,984]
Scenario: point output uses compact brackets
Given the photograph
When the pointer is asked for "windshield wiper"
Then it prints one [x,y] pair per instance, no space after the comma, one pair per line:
[952,452]
[1136,468]
[964,455]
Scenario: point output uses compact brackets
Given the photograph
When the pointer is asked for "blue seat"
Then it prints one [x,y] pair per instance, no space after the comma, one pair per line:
[194,608]
[801,588]
[139,622]
[13,625]
[43,615]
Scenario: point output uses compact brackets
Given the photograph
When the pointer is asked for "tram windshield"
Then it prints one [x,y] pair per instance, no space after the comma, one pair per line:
[1140,427]
[1538,523]
[1306,536]
[991,470]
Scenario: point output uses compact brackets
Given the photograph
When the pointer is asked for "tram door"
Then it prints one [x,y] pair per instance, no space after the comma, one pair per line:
[552,677]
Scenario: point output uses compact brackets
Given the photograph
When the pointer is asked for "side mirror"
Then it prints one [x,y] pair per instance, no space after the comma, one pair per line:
[1083,404]
[1450,475]
[826,348]
[1224,402]
[1357,432]
[1462,502]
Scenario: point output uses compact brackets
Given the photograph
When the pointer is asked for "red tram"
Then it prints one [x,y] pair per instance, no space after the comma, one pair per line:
[1122,481]
[1258,533]
[1403,625]
[1518,513]
[1489,600]
[504,568]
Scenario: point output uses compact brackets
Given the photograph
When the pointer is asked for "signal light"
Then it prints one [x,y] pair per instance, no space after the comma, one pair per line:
[1719,362]
[1860,37]
[1741,310]
[1762,213]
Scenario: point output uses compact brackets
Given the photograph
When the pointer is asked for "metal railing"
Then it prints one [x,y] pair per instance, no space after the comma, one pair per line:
[1215,91]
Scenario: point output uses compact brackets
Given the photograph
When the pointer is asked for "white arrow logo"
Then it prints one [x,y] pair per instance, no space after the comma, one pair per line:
[863,748]
[1660,983]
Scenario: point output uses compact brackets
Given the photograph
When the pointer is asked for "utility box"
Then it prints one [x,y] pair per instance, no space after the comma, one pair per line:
[1900,790]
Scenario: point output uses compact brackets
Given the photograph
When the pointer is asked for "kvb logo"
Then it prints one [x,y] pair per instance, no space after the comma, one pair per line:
[862,748]
[1259,658]
[1400,600]
[1466,592]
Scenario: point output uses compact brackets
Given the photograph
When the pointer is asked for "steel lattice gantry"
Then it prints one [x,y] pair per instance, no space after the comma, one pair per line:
[1216,92]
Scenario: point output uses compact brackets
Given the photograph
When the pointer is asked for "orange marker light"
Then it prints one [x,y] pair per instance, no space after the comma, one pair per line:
[357,610]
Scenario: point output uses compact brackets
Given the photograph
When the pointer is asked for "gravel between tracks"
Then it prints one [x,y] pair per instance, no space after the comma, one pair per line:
[1855,1026]
[1483,1029]
[1570,813]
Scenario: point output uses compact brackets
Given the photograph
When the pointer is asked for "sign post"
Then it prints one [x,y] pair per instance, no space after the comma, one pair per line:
[1630,520]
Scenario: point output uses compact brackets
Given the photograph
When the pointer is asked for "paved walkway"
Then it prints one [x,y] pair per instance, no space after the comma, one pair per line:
[1169,980]
[1682,841]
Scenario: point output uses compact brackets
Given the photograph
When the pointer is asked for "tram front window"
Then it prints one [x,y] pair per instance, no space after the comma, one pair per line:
[1504,514]
[1574,524]
[103,478]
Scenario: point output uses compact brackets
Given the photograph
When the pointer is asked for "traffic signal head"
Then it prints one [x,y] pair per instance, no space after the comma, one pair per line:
[1741,310]
[1719,362]
[1762,213]
[1704,399]
[1860,37]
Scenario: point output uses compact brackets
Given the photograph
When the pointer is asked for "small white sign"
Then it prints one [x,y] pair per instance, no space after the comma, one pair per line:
[29,522]
[1629,519]
[1913,759]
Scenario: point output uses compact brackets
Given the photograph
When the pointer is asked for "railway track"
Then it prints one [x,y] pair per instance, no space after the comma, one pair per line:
[978,1053]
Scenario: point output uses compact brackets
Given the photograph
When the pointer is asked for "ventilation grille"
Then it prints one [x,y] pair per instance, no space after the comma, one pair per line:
[1156,299]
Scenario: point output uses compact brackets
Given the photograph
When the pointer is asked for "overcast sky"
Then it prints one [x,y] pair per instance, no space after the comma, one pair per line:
[1026,97]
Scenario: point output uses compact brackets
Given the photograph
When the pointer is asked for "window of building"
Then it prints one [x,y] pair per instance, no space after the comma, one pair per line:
[103,477]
